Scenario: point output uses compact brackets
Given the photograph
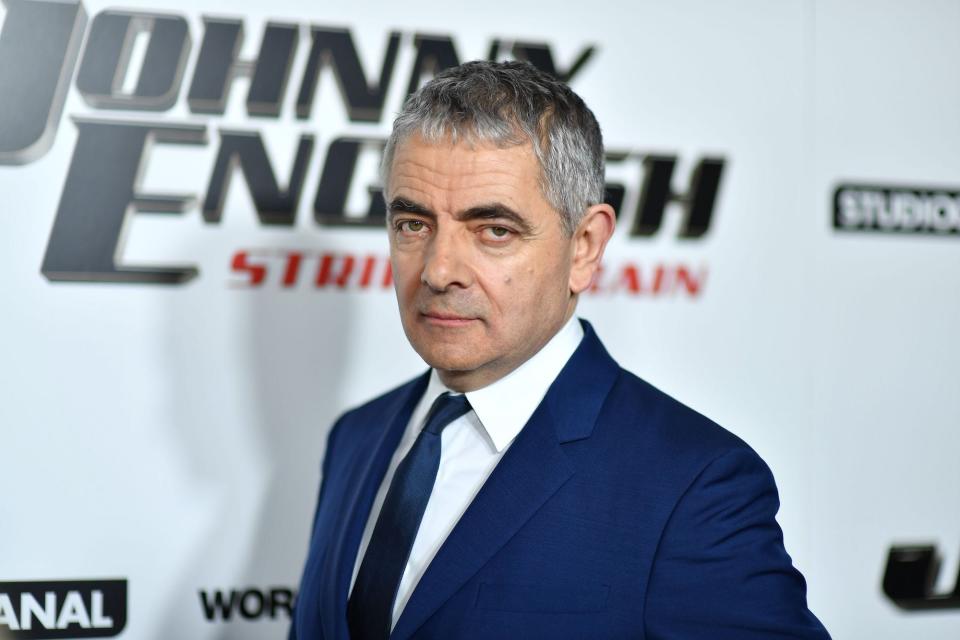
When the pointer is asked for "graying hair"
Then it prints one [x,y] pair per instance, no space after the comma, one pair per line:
[512,103]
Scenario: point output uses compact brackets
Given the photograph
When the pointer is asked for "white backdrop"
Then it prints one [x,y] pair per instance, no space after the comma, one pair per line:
[171,435]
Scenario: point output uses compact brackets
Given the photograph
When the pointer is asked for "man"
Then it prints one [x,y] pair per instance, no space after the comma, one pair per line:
[526,486]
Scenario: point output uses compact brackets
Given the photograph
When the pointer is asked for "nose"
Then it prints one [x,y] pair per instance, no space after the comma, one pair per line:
[447,261]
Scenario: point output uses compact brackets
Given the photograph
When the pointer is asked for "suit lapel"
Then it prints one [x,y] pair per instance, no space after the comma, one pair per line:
[530,472]
[365,478]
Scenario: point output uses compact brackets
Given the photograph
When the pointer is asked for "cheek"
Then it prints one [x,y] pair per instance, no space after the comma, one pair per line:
[518,291]
[406,293]
[517,288]
[405,271]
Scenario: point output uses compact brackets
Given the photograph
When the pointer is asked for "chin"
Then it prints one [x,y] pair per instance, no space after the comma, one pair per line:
[460,359]
[460,364]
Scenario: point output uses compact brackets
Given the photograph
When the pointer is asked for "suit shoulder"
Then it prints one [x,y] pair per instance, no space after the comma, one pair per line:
[677,431]
[357,425]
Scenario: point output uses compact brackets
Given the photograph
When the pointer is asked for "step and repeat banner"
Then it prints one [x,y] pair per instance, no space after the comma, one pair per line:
[194,279]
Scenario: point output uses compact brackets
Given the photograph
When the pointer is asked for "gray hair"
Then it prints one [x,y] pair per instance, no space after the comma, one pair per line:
[511,103]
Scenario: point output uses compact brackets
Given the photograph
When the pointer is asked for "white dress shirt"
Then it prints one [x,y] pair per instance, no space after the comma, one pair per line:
[471,446]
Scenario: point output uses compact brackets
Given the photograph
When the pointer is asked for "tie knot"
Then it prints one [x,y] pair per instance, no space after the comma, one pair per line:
[445,409]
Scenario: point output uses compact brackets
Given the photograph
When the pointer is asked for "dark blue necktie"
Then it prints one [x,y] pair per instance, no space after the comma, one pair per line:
[370,610]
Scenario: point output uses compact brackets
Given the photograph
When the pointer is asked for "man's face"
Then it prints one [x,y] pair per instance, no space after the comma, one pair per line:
[480,261]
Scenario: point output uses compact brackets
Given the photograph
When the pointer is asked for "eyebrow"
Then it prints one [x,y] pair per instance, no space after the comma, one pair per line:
[399,205]
[493,211]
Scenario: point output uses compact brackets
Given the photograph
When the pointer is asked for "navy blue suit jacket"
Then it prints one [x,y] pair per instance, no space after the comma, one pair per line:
[616,513]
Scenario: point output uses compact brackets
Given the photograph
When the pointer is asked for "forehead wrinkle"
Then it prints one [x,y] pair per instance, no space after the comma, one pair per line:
[483,193]
[485,159]
[453,179]
[492,176]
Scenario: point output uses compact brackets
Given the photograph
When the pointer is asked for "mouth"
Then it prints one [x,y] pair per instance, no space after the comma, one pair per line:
[445,319]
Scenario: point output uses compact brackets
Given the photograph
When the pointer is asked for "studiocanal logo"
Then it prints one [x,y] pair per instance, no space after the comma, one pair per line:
[896,209]
[140,62]
[63,609]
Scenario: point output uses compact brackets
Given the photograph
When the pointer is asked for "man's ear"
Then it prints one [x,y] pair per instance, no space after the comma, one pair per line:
[589,241]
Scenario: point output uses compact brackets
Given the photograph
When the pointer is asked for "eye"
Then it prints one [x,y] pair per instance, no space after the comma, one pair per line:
[497,233]
[411,226]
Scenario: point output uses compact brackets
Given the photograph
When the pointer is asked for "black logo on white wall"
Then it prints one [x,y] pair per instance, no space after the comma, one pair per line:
[250,603]
[63,609]
[896,209]
[910,578]
[102,189]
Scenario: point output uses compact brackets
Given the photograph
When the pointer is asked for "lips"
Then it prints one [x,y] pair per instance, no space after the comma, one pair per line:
[446,319]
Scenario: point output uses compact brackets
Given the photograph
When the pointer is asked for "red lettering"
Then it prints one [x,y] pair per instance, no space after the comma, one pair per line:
[325,274]
[630,278]
[368,266]
[388,275]
[292,272]
[658,275]
[361,272]
[323,271]
[690,281]
[344,277]
[257,272]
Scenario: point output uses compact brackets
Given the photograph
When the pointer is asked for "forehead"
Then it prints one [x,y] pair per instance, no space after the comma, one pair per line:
[448,175]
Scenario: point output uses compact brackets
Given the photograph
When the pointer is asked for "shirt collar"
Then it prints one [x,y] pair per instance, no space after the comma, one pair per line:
[504,406]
